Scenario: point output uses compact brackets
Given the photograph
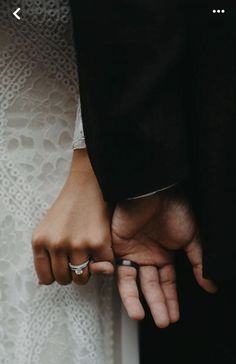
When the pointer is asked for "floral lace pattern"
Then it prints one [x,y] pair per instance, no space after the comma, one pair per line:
[38,100]
[79,138]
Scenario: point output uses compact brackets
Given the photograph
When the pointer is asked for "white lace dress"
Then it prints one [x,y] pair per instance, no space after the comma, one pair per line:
[38,101]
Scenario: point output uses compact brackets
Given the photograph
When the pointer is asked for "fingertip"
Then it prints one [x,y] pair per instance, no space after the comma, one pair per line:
[162,324]
[211,288]
[174,318]
[174,315]
[161,316]
[97,268]
[137,315]
[208,285]
[134,309]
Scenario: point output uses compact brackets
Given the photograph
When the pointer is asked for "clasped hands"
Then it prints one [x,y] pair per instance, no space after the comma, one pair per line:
[147,231]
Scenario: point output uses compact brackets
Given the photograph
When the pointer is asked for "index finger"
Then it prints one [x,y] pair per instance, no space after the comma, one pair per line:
[128,289]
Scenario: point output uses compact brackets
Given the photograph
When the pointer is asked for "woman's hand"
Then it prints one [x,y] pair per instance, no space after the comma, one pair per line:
[76,228]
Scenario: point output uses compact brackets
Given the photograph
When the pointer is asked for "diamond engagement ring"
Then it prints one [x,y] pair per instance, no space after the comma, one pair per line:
[78,269]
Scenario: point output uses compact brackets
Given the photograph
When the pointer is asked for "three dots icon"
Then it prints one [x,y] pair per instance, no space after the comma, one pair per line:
[219,11]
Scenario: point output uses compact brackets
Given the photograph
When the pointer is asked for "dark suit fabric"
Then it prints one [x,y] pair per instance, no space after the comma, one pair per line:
[131,61]
[157,87]
[212,115]
[205,332]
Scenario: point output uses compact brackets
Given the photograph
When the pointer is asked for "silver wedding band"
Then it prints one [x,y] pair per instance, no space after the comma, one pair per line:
[78,269]
[127,263]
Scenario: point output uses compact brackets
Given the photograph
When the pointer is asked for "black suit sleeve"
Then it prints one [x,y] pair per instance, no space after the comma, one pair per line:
[131,73]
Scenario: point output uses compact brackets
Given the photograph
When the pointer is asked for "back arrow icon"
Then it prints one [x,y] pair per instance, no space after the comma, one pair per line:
[16,13]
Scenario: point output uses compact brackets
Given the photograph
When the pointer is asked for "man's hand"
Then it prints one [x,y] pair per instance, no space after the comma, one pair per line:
[148,231]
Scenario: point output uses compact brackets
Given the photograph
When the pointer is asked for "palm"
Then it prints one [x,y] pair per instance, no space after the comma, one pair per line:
[148,231]
[143,249]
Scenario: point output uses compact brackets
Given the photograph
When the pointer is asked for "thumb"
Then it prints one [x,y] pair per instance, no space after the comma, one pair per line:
[194,253]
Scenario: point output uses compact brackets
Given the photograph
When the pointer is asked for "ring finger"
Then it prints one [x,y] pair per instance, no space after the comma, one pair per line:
[77,257]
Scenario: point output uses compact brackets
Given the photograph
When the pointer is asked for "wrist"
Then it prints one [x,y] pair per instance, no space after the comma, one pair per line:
[81,166]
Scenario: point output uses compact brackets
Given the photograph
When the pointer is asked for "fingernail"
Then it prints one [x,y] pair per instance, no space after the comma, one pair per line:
[40,283]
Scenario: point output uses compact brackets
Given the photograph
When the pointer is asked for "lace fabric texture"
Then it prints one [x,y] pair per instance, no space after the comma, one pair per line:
[38,100]
[79,138]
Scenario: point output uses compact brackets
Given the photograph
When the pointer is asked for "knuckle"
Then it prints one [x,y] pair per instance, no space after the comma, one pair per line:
[37,240]
[168,283]
[96,244]
[99,242]
[92,243]
[152,283]
[77,246]
[197,265]
[58,246]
